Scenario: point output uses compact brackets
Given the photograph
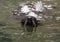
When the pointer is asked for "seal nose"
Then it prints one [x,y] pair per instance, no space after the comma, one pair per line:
[29,16]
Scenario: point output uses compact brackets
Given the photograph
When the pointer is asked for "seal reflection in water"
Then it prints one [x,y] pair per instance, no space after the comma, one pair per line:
[30,23]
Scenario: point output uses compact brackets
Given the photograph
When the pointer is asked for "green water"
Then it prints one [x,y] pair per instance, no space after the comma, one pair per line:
[13,32]
[4,37]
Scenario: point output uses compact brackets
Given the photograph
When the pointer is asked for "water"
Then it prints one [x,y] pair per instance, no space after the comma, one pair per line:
[4,38]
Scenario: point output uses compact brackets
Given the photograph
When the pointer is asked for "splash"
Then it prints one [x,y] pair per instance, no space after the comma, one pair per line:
[32,14]
[39,6]
[25,9]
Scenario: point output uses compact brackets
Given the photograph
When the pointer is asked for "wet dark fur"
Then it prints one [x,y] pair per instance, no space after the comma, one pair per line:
[29,21]
[30,25]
